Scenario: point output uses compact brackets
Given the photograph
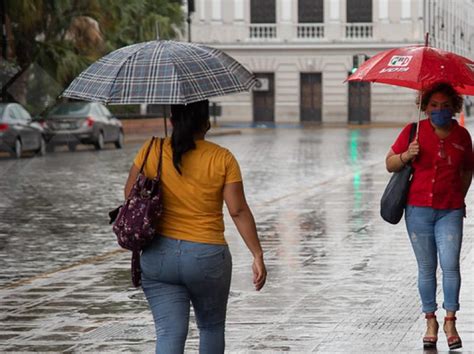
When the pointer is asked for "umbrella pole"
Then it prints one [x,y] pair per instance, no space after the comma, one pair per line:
[427,41]
[419,114]
[166,125]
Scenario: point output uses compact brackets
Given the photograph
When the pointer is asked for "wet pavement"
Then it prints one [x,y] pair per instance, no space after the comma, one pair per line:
[340,279]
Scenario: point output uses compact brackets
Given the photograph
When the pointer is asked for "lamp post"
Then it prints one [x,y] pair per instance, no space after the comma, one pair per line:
[4,30]
[4,48]
[188,19]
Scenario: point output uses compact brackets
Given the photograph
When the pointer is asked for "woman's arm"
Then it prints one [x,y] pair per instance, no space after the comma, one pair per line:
[132,177]
[241,214]
[395,162]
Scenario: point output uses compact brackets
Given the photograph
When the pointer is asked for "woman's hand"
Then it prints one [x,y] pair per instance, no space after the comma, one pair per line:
[259,273]
[413,150]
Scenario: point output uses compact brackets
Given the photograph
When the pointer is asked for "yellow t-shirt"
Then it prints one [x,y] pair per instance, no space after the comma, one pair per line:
[192,201]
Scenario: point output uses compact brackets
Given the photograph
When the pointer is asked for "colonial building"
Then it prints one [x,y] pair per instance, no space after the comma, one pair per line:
[303,50]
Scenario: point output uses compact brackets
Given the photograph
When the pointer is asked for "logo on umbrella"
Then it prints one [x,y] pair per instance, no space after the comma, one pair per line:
[398,60]
[397,64]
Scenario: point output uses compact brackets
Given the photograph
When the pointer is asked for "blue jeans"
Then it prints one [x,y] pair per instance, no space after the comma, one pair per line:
[434,233]
[176,273]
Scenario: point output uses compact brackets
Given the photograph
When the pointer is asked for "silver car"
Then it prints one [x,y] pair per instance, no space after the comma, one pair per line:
[76,123]
[17,131]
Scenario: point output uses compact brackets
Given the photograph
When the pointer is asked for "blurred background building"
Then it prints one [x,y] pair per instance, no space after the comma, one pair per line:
[303,50]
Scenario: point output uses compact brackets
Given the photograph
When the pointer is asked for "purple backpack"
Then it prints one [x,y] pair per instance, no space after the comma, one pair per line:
[135,220]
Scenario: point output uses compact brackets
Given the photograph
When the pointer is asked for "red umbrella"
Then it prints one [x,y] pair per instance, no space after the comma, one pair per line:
[418,67]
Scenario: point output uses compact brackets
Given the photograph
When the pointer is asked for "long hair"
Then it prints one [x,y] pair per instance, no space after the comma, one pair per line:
[188,120]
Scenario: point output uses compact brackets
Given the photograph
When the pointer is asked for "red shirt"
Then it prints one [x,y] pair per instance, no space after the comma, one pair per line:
[436,179]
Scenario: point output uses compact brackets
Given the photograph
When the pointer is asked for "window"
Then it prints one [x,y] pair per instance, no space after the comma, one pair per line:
[10,114]
[359,11]
[311,11]
[262,11]
[97,110]
[23,113]
[71,109]
[105,111]
[15,113]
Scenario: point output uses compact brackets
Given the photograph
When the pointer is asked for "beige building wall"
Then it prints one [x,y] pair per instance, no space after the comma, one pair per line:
[288,48]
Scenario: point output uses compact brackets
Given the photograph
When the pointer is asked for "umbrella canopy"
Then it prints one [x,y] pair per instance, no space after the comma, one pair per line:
[161,72]
[418,67]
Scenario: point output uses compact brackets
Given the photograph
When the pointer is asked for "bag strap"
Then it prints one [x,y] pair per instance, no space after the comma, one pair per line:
[412,133]
[147,153]
[158,173]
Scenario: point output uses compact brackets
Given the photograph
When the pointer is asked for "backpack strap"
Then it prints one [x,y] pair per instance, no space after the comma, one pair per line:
[147,153]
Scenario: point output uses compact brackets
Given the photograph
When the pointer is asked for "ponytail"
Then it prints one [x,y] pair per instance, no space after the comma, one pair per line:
[188,120]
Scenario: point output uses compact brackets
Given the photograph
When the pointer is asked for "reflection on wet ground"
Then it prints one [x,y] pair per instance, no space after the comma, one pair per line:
[340,279]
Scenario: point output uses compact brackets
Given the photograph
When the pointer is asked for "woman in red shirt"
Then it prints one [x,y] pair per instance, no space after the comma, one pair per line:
[442,159]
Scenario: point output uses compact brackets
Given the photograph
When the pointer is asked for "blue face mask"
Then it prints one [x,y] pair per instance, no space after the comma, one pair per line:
[442,117]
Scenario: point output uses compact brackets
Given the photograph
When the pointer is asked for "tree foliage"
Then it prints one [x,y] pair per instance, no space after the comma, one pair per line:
[64,36]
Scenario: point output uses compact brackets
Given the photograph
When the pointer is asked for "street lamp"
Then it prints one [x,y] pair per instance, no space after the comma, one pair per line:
[4,30]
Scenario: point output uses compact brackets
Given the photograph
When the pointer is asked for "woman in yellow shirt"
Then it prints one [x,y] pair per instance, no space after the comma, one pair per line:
[189,261]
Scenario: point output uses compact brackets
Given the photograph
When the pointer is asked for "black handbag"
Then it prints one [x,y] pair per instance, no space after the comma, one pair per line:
[394,198]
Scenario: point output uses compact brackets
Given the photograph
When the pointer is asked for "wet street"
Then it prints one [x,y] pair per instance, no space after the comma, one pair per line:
[340,278]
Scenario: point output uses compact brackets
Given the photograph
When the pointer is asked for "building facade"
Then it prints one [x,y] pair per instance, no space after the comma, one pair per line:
[303,50]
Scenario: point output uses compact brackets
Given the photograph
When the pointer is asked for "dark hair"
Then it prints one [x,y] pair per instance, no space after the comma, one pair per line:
[444,88]
[188,120]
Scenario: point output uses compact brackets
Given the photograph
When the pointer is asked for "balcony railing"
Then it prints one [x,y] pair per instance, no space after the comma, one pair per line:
[358,30]
[263,31]
[307,31]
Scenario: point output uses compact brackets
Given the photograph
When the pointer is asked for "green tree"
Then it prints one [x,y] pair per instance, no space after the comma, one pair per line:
[64,36]
[129,22]
[42,35]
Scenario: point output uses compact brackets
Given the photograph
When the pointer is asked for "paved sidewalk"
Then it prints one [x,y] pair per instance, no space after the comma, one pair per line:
[340,279]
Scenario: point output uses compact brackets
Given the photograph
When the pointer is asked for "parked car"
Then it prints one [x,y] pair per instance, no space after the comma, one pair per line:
[76,123]
[17,131]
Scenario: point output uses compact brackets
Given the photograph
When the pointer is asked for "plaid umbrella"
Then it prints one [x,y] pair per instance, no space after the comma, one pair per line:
[161,72]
